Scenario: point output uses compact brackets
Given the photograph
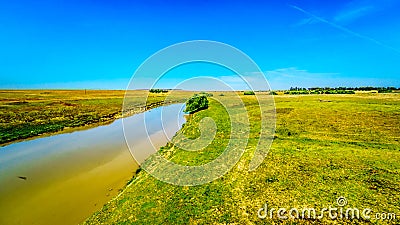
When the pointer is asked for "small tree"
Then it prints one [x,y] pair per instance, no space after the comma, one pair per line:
[196,103]
[249,93]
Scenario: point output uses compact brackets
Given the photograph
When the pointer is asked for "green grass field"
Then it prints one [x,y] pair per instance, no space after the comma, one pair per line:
[326,146]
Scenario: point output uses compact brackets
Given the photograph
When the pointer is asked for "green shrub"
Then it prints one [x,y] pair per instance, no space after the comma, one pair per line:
[249,93]
[196,103]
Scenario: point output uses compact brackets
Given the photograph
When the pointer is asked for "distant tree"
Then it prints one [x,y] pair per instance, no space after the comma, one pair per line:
[249,93]
[158,91]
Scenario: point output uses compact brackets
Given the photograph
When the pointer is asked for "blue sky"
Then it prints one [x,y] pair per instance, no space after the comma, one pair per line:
[100,44]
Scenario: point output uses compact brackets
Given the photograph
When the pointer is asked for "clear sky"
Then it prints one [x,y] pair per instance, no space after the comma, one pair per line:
[99,44]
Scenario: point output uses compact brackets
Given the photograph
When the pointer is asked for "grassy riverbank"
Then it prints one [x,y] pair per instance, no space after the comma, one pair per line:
[326,146]
[30,113]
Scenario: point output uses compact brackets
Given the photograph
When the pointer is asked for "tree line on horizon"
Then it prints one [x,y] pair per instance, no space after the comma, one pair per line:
[366,88]
[158,90]
[338,90]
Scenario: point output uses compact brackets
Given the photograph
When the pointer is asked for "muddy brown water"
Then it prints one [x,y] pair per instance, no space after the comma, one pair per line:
[65,178]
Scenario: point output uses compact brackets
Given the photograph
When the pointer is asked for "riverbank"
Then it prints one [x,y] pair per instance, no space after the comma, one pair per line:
[28,114]
[326,147]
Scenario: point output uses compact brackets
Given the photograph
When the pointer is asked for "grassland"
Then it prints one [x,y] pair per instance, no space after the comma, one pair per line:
[30,113]
[326,146]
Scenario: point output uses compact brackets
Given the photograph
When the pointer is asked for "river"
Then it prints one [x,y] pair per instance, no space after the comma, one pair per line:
[64,178]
